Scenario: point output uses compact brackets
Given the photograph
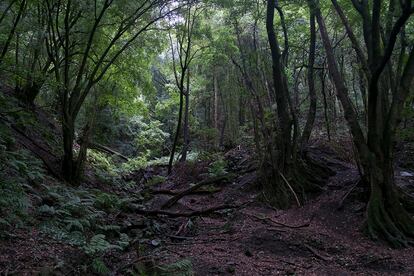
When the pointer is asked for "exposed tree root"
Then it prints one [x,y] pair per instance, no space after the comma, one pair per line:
[391,224]
[272,222]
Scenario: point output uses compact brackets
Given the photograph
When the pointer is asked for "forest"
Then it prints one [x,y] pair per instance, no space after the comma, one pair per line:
[206,137]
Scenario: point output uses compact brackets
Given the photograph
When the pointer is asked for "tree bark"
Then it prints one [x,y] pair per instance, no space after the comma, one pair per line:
[280,90]
[177,133]
[186,127]
[311,84]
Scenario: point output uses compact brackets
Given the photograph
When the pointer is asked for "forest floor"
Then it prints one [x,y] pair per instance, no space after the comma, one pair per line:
[323,237]
[320,238]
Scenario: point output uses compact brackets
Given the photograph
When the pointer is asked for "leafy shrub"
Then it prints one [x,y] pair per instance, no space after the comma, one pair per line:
[150,139]
[134,164]
[105,169]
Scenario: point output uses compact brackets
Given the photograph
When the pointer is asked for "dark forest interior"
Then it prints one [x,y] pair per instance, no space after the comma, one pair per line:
[206,137]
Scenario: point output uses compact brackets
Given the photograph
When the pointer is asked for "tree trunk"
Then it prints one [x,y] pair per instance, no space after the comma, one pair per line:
[386,216]
[68,131]
[311,83]
[30,92]
[216,102]
[83,151]
[325,104]
[186,130]
[177,133]
[387,219]
[281,93]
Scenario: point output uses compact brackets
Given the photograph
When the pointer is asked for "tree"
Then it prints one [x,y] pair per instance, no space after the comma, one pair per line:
[386,216]
[84,40]
[311,84]
[14,23]
[182,50]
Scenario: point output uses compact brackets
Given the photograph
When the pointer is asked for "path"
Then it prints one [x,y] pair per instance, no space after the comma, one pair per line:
[320,240]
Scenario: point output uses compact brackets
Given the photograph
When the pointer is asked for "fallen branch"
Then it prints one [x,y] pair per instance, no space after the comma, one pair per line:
[307,224]
[192,189]
[207,211]
[317,254]
[173,193]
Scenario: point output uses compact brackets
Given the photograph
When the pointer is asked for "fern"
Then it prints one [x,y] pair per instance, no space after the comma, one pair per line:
[99,267]
[218,167]
[182,267]
[106,201]
[109,228]
[98,245]
[47,210]
[14,203]
[124,241]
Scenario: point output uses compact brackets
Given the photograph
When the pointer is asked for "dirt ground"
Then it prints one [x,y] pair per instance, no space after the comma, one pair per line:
[322,237]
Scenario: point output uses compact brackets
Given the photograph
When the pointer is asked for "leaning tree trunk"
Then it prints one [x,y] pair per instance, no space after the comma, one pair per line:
[177,133]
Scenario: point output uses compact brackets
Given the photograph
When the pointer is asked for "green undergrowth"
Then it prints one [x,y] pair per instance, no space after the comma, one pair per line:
[86,219]
[73,214]
[19,173]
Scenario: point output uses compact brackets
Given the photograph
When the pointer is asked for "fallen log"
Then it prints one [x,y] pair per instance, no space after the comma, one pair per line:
[192,189]
[105,149]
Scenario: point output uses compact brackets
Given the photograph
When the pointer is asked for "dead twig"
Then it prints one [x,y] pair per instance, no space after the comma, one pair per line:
[183,227]
[291,189]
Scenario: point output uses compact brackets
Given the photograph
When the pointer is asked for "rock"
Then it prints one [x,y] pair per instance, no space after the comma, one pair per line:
[155,242]
[248,253]
[231,269]
[406,174]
